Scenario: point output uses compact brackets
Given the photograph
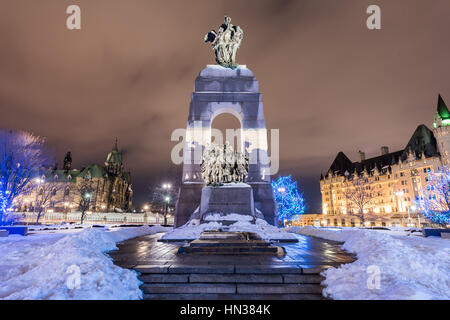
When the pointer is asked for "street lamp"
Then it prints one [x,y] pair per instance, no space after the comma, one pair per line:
[414,209]
[167,187]
[400,204]
[167,200]
[38,181]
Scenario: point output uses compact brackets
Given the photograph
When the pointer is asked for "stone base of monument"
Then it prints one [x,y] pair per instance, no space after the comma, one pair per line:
[227,204]
[237,243]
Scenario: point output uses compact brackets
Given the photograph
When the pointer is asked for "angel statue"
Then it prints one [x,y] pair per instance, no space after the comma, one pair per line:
[225,43]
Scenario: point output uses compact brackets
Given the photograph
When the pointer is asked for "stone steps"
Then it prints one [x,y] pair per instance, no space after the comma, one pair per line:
[225,243]
[230,282]
[230,243]
[212,296]
[230,250]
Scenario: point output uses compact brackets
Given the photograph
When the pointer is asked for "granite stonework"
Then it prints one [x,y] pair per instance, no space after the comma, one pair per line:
[227,199]
[220,90]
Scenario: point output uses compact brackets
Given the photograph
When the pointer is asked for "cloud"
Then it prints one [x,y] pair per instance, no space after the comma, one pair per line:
[328,83]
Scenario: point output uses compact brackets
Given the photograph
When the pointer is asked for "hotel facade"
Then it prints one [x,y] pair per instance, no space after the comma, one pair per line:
[393,180]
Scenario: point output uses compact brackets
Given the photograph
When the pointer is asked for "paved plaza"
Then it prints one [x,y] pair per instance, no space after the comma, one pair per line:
[169,275]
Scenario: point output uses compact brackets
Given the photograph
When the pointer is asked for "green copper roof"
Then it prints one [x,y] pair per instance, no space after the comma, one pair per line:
[95,170]
[114,156]
[442,109]
[62,175]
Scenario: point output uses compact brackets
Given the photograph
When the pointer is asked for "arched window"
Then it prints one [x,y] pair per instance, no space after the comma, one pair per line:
[67,191]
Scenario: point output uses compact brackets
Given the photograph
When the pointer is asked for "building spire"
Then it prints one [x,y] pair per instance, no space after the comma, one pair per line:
[442,109]
[115,145]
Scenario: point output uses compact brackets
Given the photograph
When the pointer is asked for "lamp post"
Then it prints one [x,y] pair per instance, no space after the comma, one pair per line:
[400,205]
[38,181]
[409,217]
[167,187]
[167,200]
[414,209]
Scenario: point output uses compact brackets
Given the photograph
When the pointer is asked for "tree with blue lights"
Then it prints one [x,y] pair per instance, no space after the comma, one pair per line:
[289,200]
[435,201]
[22,157]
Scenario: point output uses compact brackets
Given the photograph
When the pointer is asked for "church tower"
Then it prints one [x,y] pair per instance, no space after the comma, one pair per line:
[441,130]
[113,163]
[67,162]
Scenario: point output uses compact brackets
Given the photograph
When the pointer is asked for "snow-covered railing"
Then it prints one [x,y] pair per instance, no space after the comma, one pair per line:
[95,217]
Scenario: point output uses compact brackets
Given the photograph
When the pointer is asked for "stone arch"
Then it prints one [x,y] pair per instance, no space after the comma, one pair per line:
[219,90]
[236,112]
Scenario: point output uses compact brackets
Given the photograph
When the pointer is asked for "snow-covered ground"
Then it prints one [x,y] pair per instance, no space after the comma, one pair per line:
[68,264]
[409,266]
[193,229]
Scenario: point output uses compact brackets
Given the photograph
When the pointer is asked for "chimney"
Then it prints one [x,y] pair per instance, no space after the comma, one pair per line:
[362,156]
[384,150]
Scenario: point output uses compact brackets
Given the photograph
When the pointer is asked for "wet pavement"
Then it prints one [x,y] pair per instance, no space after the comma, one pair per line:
[309,252]
[167,275]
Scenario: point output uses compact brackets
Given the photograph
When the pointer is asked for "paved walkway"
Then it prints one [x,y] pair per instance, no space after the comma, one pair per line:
[168,275]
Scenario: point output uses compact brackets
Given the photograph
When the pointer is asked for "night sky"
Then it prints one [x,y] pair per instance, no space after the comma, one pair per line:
[328,83]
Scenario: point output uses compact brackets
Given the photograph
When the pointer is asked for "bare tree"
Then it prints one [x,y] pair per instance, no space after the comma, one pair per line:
[22,158]
[359,195]
[46,194]
[85,190]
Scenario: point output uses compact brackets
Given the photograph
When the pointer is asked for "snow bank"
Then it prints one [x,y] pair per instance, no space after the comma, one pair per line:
[231,217]
[410,267]
[46,266]
[193,229]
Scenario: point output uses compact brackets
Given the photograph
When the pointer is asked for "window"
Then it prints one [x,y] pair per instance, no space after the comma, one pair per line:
[54,192]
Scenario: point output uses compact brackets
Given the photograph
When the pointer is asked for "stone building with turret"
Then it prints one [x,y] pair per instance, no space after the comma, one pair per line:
[110,183]
[394,180]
